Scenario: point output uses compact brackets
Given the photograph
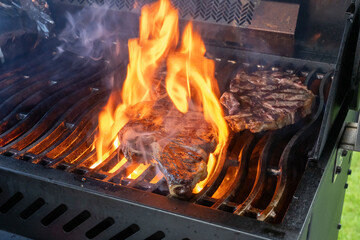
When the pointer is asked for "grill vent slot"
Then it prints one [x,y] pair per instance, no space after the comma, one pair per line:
[156,236]
[127,232]
[26,158]
[30,210]
[76,221]
[62,167]
[8,154]
[11,202]
[56,213]
[80,171]
[99,228]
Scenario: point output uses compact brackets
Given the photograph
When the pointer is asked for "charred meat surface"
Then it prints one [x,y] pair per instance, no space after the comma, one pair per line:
[179,144]
[266,100]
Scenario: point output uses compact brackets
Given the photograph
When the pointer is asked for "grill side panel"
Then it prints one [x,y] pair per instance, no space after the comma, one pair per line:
[108,217]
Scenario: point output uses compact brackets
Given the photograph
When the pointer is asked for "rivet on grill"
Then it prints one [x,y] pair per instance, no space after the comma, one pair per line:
[52,82]
[218,59]
[291,71]
[69,125]
[274,171]
[26,76]
[246,64]
[275,69]
[319,75]
[21,116]
[94,89]
[231,61]
[83,179]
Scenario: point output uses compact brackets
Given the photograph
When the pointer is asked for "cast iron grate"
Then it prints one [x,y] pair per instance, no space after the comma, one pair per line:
[59,110]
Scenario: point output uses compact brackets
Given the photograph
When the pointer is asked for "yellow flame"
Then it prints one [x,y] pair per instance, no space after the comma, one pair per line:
[157,178]
[190,77]
[138,171]
[118,165]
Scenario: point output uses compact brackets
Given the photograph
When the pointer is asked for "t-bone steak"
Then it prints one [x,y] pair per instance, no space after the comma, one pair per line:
[178,143]
[266,100]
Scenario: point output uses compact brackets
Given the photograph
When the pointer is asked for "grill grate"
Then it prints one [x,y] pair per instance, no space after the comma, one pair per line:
[58,124]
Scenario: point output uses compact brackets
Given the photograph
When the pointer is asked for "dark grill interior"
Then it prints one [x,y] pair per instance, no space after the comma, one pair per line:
[49,117]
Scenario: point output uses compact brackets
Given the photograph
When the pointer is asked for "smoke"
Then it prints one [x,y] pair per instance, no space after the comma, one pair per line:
[99,35]
[94,33]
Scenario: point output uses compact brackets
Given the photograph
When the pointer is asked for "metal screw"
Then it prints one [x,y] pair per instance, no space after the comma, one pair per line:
[346,185]
[349,172]
[338,170]
[344,153]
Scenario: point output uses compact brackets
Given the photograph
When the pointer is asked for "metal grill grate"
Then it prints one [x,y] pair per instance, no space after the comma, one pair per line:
[52,121]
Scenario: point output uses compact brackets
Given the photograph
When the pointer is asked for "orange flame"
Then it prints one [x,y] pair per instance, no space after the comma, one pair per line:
[118,165]
[158,36]
[190,79]
[138,171]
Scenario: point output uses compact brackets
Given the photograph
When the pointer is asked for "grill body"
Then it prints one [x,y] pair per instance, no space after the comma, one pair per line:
[147,214]
[44,191]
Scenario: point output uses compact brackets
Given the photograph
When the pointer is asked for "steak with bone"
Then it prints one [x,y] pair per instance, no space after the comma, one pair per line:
[266,100]
[178,143]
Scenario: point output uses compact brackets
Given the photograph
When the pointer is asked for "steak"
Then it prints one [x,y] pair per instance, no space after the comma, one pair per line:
[266,100]
[178,143]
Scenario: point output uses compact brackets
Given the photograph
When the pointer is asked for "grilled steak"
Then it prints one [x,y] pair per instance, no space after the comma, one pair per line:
[266,100]
[180,145]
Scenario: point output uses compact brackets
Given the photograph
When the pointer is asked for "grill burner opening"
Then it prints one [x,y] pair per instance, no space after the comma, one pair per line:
[52,121]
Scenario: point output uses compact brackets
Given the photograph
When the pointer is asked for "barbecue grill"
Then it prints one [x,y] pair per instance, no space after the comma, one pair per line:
[281,184]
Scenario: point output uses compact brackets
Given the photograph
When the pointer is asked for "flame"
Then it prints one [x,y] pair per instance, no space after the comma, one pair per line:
[190,81]
[190,64]
[118,165]
[157,178]
[156,39]
[116,143]
[138,171]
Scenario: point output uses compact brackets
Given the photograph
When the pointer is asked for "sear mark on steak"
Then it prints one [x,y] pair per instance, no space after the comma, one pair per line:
[178,143]
[266,101]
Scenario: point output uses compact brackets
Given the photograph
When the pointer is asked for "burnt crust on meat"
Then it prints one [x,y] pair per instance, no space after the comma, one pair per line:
[266,100]
[178,143]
